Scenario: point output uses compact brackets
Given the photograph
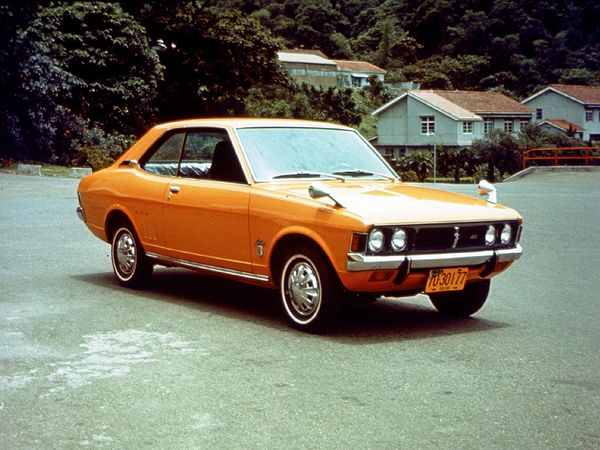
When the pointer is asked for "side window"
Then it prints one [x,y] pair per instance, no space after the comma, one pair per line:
[165,159]
[198,152]
[209,154]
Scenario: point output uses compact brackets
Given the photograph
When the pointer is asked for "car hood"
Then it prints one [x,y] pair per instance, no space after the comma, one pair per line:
[390,203]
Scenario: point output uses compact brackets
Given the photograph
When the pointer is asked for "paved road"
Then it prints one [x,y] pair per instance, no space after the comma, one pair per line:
[194,362]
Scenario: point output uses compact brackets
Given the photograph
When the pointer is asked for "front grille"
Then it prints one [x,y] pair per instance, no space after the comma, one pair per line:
[433,238]
[449,237]
[457,237]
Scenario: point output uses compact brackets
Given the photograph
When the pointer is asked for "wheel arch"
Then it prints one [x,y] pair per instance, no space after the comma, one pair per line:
[288,241]
[115,218]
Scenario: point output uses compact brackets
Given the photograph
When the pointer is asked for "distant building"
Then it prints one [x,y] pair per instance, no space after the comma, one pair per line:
[314,68]
[357,73]
[309,68]
[561,126]
[579,105]
[422,119]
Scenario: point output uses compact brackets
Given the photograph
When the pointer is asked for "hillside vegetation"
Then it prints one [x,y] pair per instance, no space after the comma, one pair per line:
[80,80]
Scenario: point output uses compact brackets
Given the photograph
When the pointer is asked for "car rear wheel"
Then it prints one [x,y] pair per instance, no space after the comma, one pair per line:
[310,290]
[130,264]
[463,303]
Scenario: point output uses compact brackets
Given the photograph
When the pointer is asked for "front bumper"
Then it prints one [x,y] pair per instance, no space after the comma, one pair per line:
[358,262]
[81,213]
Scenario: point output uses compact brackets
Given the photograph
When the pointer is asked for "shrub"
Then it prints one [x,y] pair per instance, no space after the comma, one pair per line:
[420,163]
[100,149]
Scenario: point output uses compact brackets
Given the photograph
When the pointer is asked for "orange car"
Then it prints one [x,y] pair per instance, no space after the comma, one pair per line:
[308,208]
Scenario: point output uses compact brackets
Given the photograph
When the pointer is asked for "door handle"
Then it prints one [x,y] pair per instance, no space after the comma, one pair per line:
[174,189]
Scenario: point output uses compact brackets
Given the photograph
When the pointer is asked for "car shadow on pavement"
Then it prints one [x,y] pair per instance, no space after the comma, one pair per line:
[384,320]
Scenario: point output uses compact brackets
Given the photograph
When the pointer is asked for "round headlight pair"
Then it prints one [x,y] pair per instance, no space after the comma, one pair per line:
[505,235]
[377,240]
[490,235]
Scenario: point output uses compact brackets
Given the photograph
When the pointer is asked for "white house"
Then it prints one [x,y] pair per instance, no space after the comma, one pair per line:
[314,68]
[422,119]
[579,105]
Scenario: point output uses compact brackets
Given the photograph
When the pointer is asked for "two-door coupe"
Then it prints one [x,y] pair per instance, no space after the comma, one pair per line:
[308,208]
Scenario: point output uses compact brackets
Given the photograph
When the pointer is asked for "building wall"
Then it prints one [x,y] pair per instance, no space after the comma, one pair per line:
[345,79]
[320,75]
[499,122]
[558,106]
[555,106]
[400,125]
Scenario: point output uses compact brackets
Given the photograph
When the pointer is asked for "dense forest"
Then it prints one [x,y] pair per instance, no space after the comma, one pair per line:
[514,45]
[80,80]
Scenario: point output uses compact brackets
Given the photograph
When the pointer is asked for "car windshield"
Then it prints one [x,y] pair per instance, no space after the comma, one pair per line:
[280,153]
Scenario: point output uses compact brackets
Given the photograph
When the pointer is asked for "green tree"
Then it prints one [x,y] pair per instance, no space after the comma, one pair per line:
[305,102]
[456,162]
[86,67]
[500,151]
[13,17]
[213,57]
[420,163]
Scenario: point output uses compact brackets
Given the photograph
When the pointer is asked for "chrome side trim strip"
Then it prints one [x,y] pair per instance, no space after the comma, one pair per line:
[208,268]
[358,262]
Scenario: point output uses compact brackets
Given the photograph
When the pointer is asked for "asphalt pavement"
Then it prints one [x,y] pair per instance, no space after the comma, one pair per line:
[197,362]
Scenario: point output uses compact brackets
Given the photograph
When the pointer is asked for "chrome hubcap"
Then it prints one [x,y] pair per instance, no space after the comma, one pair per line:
[125,254]
[303,289]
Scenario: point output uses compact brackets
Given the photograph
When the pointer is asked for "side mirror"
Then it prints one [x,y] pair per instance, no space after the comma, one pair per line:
[318,190]
[487,189]
[129,163]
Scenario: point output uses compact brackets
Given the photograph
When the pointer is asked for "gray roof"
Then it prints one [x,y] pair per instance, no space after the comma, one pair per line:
[303,58]
[434,101]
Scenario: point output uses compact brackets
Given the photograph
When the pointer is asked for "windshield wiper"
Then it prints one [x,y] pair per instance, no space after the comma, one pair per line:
[301,174]
[362,173]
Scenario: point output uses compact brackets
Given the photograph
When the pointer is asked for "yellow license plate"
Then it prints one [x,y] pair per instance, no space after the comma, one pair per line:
[442,280]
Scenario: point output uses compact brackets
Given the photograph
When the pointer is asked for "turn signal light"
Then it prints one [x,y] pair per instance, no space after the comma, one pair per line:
[381,275]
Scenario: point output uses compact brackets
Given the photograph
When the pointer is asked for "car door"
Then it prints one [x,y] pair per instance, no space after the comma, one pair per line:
[147,191]
[206,211]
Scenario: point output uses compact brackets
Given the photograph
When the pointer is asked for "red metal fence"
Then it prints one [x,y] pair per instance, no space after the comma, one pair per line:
[555,155]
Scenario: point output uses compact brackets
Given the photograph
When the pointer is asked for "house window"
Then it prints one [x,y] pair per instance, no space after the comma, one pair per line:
[538,114]
[524,124]
[508,126]
[589,115]
[427,124]
[488,126]
[467,127]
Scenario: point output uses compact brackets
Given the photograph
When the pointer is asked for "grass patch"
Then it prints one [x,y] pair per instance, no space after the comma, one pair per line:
[50,170]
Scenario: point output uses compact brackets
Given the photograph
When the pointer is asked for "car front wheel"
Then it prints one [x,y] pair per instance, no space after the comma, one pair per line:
[130,264]
[463,303]
[310,290]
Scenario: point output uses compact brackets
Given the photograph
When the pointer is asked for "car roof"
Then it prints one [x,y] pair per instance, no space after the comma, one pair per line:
[233,122]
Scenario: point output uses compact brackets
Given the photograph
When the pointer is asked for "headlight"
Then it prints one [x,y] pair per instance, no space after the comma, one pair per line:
[506,234]
[399,239]
[376,240]
[490,235]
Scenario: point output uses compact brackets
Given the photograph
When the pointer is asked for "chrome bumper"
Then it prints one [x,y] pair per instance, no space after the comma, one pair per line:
[80,213]
[358,262]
